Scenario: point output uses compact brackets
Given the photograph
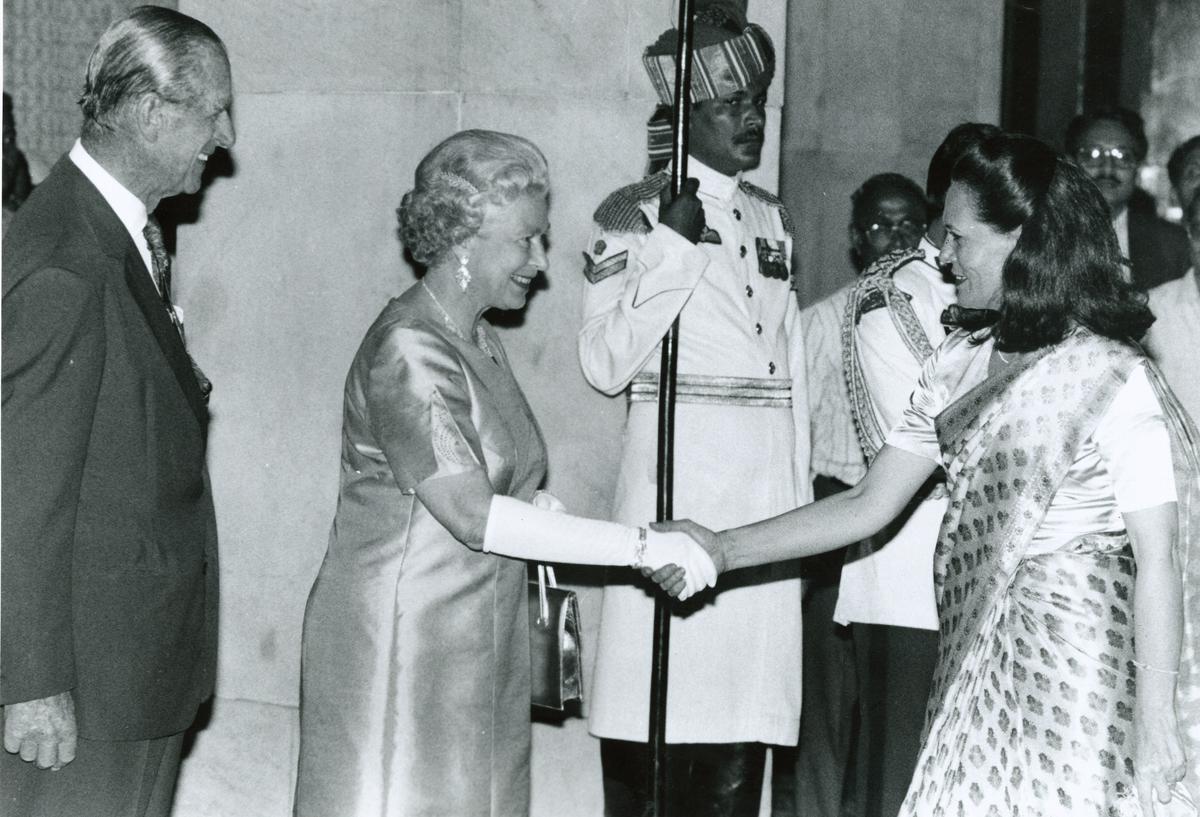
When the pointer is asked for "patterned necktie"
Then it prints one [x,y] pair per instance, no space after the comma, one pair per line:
[161,262]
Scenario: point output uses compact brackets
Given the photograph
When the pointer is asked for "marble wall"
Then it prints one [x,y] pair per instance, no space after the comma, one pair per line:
[292,255]
[46,46]
[1172,106]
[873,86]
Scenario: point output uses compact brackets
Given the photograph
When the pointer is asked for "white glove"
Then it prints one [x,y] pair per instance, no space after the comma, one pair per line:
[525,531]
[678,548]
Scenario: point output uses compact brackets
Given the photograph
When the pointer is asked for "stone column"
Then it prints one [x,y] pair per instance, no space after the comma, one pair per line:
[874,86]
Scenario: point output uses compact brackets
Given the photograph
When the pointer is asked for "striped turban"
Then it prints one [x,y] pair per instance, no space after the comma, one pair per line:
[724,60]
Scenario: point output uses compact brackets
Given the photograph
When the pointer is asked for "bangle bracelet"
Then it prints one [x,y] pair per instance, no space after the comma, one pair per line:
[639,553]
[1141,665]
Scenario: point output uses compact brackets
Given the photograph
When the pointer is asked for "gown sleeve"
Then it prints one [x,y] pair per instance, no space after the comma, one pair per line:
[419,405]
[1135,445]
[916,430]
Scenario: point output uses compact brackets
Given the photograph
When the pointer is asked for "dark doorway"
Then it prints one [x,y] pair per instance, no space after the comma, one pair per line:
[1064,56]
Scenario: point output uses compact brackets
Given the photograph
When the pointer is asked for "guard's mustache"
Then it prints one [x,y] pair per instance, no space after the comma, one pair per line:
[755,135]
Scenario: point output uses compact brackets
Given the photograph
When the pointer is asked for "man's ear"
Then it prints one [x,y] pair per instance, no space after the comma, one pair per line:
[150,116]
[857,238]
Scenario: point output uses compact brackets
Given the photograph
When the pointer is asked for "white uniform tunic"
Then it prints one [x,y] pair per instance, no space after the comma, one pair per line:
[894,584]
[735,655]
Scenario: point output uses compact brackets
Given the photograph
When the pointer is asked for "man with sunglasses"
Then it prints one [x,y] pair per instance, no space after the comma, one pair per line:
[888,213]
[1109,144]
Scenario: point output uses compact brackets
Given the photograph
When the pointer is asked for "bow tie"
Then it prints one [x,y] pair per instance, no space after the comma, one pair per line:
[962,317]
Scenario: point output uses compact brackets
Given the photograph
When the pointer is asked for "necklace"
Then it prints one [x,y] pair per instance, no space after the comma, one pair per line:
[480,338]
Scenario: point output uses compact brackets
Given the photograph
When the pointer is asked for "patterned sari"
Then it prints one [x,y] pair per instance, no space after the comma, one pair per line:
[1031,711]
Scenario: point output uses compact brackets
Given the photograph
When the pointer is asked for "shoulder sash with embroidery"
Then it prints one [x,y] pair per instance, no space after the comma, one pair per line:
[877,289]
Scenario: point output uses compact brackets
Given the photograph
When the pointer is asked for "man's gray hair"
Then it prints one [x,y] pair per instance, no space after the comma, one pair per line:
[152,50]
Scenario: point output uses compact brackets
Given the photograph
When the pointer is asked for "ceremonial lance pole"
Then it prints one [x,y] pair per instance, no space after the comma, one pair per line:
[666,429]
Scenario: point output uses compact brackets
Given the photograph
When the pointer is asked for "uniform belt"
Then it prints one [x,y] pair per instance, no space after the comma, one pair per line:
[723,391]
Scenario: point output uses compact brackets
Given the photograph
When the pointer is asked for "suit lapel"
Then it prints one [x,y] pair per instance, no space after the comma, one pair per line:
[169,342]
[116,243]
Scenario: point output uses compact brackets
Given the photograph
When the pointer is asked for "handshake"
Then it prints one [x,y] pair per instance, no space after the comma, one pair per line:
[682,558]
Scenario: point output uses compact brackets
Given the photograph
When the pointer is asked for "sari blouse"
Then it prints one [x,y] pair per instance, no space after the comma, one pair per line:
[1125,465]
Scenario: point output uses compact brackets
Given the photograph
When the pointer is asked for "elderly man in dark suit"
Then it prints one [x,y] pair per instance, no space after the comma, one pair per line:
[1110,145]
[109,539]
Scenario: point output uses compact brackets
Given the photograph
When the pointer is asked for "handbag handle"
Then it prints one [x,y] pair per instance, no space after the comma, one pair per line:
[545,576]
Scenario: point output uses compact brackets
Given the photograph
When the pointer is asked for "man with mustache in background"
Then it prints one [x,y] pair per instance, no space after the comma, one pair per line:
[719,258]
[1109,144]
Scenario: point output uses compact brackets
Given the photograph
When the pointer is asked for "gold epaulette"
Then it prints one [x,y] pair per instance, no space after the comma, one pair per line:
[621,211]
[756,192]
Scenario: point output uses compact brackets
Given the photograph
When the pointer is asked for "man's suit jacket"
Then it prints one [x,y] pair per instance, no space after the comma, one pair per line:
[1158,250]
[109,538]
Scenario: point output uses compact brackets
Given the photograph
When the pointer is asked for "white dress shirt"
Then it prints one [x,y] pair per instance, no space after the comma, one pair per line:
[128,207]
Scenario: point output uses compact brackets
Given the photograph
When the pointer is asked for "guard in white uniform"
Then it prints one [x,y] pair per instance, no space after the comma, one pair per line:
[892,324]
[719,259]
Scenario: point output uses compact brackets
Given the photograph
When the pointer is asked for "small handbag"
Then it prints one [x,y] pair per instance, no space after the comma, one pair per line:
[555,651]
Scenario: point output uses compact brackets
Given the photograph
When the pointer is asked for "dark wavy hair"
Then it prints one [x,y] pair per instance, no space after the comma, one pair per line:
[937,178]
[1066,268]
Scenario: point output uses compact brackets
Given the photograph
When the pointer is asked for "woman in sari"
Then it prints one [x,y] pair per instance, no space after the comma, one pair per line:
[1067,571]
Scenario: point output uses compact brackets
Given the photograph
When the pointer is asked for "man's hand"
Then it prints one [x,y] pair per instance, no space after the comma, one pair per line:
[42,731]
[684,215]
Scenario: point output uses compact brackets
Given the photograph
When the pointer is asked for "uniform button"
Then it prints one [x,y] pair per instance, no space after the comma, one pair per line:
[742,251]
[771,368]
[749,291]
[758,328]
[737,214]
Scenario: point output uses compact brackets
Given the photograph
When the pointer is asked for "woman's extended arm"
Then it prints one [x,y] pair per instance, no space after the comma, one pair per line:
[467,507]
[1157,634]
[891,482]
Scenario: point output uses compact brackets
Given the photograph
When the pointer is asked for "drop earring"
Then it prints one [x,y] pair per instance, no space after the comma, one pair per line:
[463,275]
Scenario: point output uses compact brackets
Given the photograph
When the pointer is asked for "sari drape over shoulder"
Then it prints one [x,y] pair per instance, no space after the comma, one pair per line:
[1032,707]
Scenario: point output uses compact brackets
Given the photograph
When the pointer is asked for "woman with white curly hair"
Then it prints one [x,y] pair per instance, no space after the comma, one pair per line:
[415,679]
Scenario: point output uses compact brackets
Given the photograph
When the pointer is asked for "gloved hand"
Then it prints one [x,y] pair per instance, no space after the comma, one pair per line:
[682,550]
[525,531]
